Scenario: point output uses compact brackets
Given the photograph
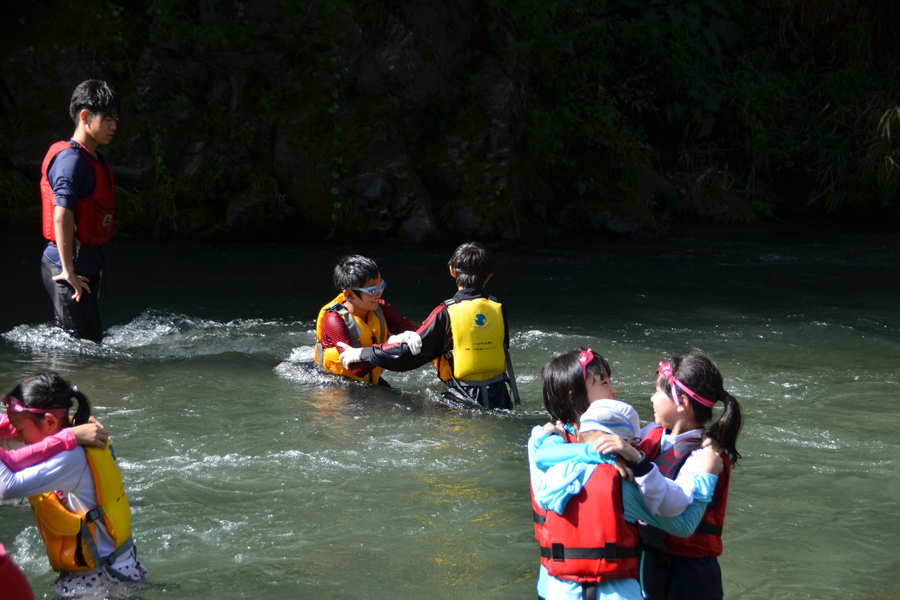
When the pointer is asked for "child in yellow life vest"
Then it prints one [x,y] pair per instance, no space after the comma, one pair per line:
[77,496]
[358,318]
[467,337]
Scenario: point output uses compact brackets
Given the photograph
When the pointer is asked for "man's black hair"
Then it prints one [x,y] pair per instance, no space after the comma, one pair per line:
[473,263]
[96,97]
[353,272]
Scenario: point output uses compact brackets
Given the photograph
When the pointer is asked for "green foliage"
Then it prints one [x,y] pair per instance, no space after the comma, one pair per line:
[165,181]
[16,192]
[708,88]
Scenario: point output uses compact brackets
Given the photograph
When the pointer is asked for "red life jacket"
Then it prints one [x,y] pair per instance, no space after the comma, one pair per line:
[707,539]
[94,214]
[591,542]
[540,515]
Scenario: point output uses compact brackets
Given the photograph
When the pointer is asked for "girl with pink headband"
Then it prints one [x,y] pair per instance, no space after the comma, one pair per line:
[687,389]
[77,496]
[17,456]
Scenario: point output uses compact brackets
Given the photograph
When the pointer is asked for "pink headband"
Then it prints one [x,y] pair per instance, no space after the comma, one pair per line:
[585,359]
[665,370]
[14,405]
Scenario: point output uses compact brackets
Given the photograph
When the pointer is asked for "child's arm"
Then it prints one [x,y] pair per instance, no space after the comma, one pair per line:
[561,483]
[61,472]
[436,338]
[90,434]
[682,525]
[662,496]
[541,437]
[548,456]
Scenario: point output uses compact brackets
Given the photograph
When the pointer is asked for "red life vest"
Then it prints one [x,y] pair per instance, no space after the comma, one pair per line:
[94,214]
[540,515]
[591,542]
[707,539]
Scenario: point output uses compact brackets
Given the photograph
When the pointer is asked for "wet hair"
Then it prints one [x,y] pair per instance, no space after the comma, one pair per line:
[354,271]
[565,392]
[473,263]
[50,391]
[698,372]
[96,97]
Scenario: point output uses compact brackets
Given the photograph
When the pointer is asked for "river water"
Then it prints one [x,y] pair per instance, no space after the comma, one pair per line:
[251,476]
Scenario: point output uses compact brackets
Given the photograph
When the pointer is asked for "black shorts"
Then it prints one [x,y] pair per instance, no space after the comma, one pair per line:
[668,577]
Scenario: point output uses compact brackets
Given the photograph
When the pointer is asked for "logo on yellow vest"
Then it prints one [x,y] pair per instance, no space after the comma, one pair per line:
[481,322]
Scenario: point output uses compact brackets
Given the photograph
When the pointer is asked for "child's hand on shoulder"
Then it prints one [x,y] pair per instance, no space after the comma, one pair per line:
[91,434]
[607,443]
[625,472]
[708,460]
[709,442]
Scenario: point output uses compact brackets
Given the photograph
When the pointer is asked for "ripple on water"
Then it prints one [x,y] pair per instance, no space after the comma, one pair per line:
[165,334]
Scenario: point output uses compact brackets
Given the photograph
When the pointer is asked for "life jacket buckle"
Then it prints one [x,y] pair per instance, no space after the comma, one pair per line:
[558,552]
[609,551]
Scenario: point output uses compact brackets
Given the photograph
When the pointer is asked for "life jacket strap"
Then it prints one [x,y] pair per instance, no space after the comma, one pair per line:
[610,551]
[539,519]
[511,377]
[709,529]
[110,559]
[349,321]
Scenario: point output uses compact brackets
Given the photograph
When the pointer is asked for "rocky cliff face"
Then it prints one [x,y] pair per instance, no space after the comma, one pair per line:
[403,123]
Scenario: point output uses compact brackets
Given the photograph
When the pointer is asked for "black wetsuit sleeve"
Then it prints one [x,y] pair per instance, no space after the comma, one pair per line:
[436,336]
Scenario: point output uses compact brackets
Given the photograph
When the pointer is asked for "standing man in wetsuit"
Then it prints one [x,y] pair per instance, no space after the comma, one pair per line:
[77,197]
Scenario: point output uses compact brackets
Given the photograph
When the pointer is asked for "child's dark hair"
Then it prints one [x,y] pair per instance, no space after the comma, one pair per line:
[354,271]
[698,372]
[565,392]
[50,391]
[96,97]
[473,263]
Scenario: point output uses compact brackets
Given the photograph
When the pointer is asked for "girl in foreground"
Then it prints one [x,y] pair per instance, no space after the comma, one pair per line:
[77,496]
[687,388]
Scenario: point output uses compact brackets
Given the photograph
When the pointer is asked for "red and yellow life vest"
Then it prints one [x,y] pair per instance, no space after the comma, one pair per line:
[591,541]
[94,214]
[363,334]
[707,538]
[69,537]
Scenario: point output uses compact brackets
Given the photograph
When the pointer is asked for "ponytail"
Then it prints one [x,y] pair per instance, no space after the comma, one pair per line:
[699,373]
[725,431]
[83,413]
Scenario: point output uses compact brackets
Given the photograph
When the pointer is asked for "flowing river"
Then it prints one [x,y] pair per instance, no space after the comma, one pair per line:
[250,476]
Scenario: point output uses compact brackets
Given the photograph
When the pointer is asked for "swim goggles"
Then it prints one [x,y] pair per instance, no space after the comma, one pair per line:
[665,371]
[585,358]
[372,289]
[15,406]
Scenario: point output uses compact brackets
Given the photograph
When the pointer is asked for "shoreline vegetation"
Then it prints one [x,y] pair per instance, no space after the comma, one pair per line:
[495,119]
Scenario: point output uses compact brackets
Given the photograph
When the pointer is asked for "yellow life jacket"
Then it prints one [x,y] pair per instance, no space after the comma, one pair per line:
[363,334]
[479,352]
[70,538]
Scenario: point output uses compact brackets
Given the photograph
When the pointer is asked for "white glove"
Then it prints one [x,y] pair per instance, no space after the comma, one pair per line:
[410,338]
[349,355]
